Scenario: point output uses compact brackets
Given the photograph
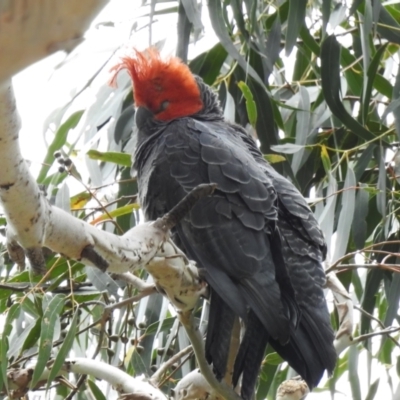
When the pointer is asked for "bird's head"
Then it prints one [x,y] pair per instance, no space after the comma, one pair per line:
[166,87]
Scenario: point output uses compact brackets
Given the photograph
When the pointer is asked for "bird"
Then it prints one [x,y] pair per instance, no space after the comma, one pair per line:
[256,240]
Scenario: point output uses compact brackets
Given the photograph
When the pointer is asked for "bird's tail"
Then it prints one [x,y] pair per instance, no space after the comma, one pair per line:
[219,330]
[250,355]
[310,350]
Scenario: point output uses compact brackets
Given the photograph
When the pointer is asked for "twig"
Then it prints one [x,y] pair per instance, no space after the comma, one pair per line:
[344,305]
[168,377]
[386,331]
[345,267]
[381,324]
[133,280]
[192,330]
[233,349]
[156,377]
[169,220]
[74,390]
[110,308]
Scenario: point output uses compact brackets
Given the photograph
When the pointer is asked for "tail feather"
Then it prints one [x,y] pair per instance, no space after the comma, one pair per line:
[250,356]
[310,351]
[220,325]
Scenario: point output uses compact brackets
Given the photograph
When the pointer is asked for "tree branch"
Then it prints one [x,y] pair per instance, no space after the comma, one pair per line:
[137,388]
[192,330]
[34,223]
[31,30]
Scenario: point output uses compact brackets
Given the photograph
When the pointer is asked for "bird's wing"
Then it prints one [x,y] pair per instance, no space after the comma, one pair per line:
[310,350]
[230,233]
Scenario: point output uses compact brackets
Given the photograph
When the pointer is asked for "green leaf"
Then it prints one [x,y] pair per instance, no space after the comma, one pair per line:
[353,373]
[137,363]
[396,111]
[274,158]
[96,391]
[287,148]
[273,359]
[111,156]
[17,344]
[359,226]
[64,349]
[374,278]
[50,316]
[364,161]
[391,108]
[330,79]
[385,351]
[393,297]
[250,104]
[383,86]
[267,377]
[33,336]
[371,74]
[126,189]
[297,13]
[220,29]
[326,11]
[309,40]
[165,327]
[303,63]
[193,12]
[60,138]
[388,26]
[355,5]
[353,71]
[12,314]
[381,185]
[302,129]
[347,210]
[118,212]
[273,47]
[326,161]
[208,65]
[373,390]
[237,8]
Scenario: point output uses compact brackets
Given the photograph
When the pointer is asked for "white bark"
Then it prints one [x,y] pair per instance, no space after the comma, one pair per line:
[292,390]
[120,380]
[34,223]
[194,386]
[137,387]
[344,305]
[33,29]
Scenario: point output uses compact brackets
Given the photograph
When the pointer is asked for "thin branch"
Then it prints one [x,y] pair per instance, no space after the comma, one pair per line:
[133,280]
[157,376]
[345,267]
[381,324]
[386,331]
[233,349]
[192,330]
[169,220]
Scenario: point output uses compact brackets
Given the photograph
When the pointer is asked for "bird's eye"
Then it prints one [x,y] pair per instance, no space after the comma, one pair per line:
[164,105]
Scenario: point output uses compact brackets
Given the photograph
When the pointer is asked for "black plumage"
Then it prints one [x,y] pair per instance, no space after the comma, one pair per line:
[256,238]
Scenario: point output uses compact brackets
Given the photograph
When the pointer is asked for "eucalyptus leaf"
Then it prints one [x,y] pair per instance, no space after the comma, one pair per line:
[330,78]
[287,148]
[51,313]
[220,29]
[346,214]
[297,12]
[64,349]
